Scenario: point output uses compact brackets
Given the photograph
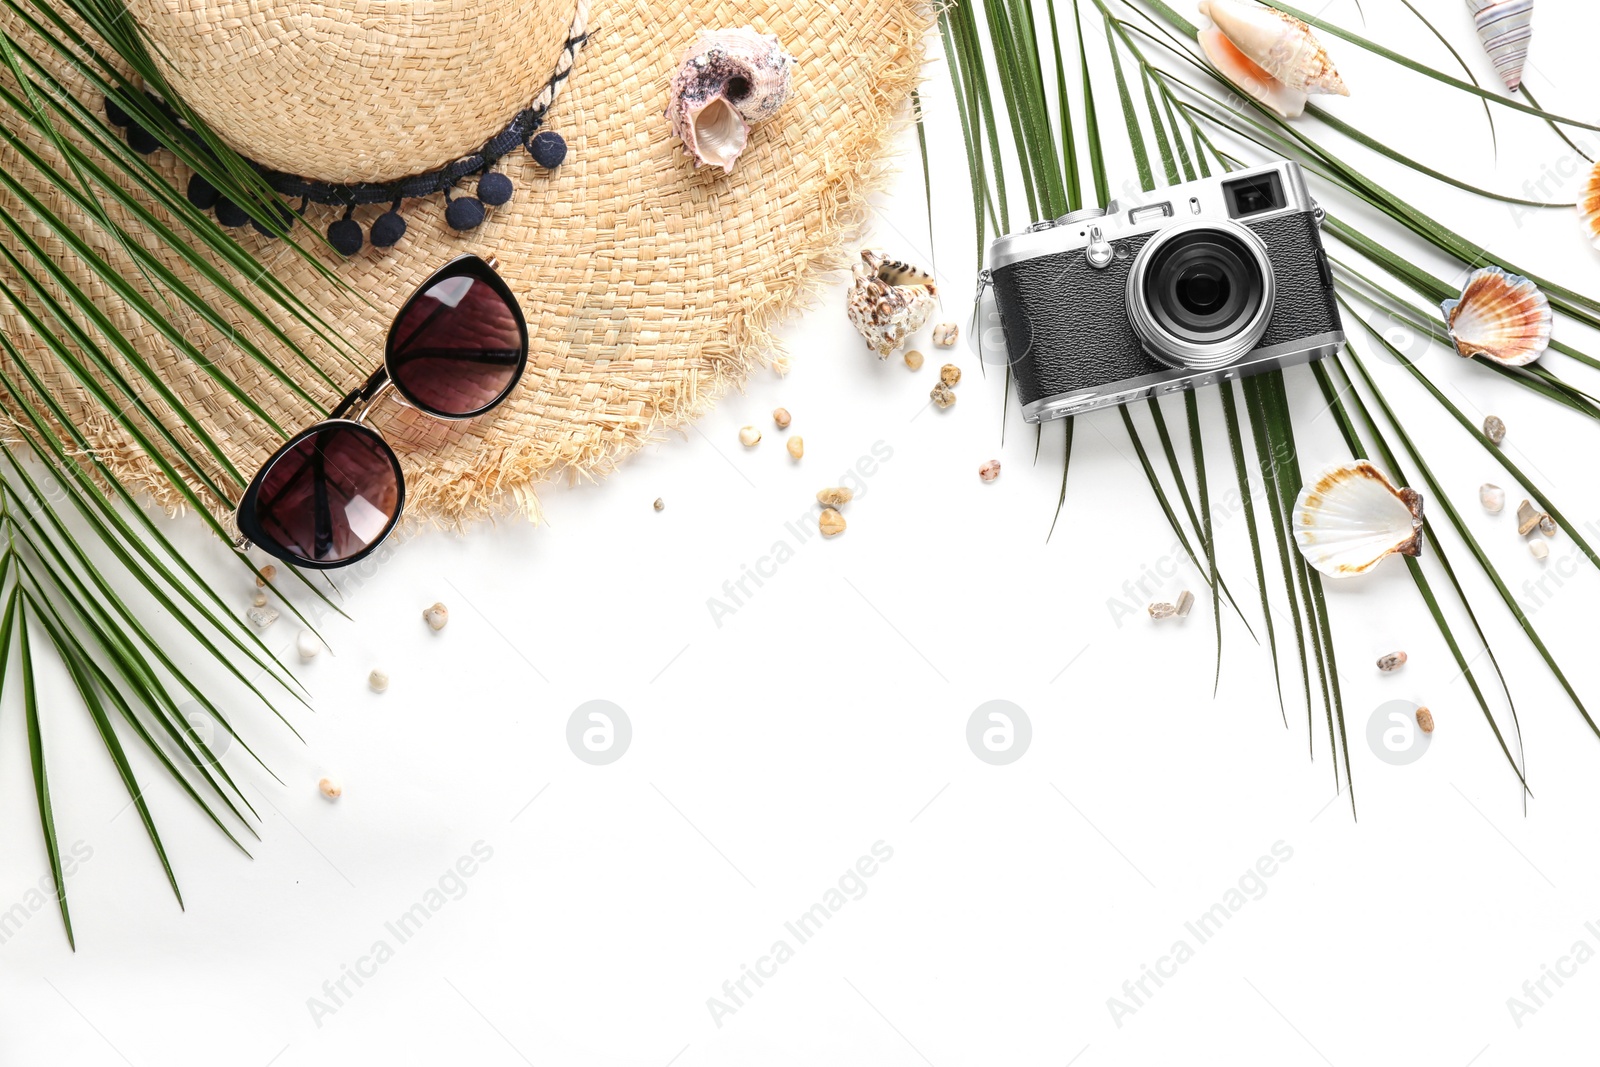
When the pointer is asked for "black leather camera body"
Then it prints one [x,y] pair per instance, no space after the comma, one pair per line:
[1213,279]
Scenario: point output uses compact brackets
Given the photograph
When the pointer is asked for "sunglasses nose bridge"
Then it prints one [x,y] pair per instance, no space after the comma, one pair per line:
[384,387]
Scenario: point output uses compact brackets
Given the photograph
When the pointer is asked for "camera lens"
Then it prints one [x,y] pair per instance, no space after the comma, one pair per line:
[1200,297]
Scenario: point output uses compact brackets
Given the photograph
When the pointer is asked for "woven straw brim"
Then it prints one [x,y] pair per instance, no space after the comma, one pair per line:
[649,286]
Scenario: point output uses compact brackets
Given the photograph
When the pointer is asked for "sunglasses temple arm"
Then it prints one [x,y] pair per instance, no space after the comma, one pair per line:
[356,405]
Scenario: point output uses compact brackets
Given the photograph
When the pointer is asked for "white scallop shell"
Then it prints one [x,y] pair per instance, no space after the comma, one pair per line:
[728,81]
[1506,28]
[888,300]
[1279,44]
[1499,316]
[1351,517]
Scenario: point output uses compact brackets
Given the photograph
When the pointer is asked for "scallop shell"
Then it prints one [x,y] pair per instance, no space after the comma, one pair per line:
[1589,207]
[888,300]
[1273,56]
[1500,316]
[728,81]
[1506,27]
[1351,517]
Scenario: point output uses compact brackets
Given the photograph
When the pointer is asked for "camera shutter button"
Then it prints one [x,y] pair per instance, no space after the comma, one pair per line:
[1099,253]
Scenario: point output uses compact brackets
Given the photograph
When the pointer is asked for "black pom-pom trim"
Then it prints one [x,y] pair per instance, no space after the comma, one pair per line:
[141,140]
[202,194]
[464,213]
[387,229]
[115,114]
[495,189]
[286,218]
[548,149]
[345,236]
[230,214]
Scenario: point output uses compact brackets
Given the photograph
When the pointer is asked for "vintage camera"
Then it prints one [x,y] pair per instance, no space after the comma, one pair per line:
[1218,278]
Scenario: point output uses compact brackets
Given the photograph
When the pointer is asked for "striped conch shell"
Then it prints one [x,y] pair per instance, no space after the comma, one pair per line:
[1351,517]
[1506,27]
[1272,56]
[728,81]
[1499,316]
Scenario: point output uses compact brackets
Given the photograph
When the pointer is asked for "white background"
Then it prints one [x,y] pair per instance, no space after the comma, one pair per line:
[829,712]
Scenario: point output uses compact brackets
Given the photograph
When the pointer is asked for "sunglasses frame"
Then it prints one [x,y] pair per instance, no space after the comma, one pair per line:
[353,410]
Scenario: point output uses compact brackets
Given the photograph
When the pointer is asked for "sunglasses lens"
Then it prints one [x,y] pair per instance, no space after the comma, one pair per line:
[459,346]
[331,495]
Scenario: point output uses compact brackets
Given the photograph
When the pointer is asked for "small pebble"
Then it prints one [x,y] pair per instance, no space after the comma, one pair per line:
[836,497]
[331,789]
[1425,720]
[796,446]
[830,522]
[659,504]
[749,436]
[1392,662]
[436,616]
[1528,518]
[1492,497]
[268,573]
[378,680]
[262,617]
[1494,429]
[913,359]
[950,374]
[781,417]
[942,395]
[259,600]
[1180,609]
[1540,549]
[308,645]
[1547,526]
[945,334]
[990,470]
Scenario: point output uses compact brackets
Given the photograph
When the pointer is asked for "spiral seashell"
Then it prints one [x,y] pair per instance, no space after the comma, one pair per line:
[1279,44]
[1499,316]
[888,300]
[728,81]
[1505,27]
[1351,517]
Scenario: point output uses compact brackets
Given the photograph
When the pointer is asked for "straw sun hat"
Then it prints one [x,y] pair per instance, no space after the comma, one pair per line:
[648,284]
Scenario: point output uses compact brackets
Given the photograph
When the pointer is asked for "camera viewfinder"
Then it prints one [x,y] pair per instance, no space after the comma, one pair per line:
[1254,195]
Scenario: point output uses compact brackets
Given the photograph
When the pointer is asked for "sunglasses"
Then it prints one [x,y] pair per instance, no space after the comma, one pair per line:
[331,495]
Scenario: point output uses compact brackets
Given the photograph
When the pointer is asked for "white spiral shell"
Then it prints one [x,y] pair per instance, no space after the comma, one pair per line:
[1505,27]
[1270,55]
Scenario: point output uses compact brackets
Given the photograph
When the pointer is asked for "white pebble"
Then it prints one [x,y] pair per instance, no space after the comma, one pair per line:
[331,789]
[436,616]
[749,436]
[378,680]
[308,644]
[1539,549]
[1493,498]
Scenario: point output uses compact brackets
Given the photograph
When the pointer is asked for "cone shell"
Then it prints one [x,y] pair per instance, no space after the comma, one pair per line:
[1239,69]
[1351,517]
[888,300]
[1499,316]
[1279,44]
[1506,28]
[728,81]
